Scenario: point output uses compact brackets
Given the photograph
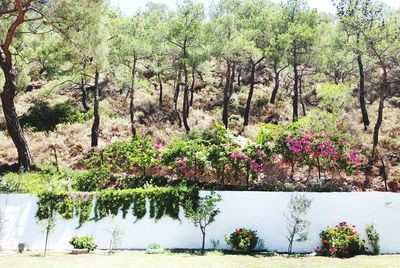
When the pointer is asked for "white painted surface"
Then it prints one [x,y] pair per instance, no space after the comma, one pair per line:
[261,211]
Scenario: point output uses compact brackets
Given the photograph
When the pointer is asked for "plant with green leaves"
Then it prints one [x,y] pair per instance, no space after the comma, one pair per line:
[186,158]
[242,239]
[341,241]
[203,213]
[138,155]
[48,223]
[83,242]
[373,238]
[297,224]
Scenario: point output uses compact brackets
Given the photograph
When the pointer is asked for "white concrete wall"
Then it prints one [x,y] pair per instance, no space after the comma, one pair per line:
[262,211]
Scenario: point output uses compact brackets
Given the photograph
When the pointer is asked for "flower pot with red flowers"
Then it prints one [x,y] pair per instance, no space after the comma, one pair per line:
[82,244]
[341,241]
[242,240]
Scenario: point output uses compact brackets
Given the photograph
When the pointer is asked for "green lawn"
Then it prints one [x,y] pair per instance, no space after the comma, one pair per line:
[142,260]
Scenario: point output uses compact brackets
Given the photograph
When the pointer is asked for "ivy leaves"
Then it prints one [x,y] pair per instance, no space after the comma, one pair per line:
[156,202]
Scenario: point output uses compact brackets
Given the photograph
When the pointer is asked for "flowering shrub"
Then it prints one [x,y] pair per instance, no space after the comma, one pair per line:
[341,241]
[185,158]
[242,239]
[82,242]
[290,145]
[217,155]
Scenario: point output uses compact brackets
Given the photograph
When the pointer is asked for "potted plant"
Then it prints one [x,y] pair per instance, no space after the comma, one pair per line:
[242,240]
[82,244]
[154,249]
[21,247]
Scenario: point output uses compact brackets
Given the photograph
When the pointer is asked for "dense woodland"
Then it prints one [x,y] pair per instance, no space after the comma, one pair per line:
[89,90]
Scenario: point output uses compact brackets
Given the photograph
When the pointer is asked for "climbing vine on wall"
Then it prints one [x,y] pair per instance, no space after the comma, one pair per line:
[155,202]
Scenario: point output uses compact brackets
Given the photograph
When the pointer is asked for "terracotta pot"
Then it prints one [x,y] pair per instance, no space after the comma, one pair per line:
[78,251]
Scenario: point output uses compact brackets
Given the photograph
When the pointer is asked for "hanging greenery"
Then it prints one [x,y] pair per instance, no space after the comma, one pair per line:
[156,202]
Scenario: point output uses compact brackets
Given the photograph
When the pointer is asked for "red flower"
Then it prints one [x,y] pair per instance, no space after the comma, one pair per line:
[330,250]
[325,241]
[350,238]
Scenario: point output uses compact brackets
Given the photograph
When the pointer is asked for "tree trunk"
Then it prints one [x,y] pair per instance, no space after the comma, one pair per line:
[364,111]
[276,85]
[84,96]
[203,245]
[239,76]
[295,93]
[46,241]
[301,94]
[13,126]
[132,98]
[382,92]
[176,96]
[96,114]
[192,88]
[250,96]
[226,94]
[232,78]
[160,100]
[185,108]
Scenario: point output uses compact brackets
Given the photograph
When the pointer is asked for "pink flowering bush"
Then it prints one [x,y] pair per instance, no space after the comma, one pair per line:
[291,145]
[184,158]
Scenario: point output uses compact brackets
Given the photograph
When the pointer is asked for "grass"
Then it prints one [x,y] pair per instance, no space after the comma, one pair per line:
[176,260]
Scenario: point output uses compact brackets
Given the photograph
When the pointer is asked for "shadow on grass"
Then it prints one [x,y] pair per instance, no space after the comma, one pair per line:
[195,252]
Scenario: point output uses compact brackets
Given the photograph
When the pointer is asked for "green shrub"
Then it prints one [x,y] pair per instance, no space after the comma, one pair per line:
[83,242]
[341,241]
[242,239]
[34,182]
[136,156]
[41,116]
[373,238]
[92,180]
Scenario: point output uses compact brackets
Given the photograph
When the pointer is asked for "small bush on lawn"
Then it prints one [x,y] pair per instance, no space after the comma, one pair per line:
[341,241]
[82,242]
[242,239]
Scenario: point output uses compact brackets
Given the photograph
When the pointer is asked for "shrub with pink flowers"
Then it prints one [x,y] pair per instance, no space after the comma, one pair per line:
[292,146]
[186,158]
[341,241]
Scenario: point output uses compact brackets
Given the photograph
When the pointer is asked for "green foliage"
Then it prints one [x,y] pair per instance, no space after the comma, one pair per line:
[334,97]
[163,201]
[92,180]
[186,158]
[34,182]
[43,117]
[341,241]
[83,242]
[319,120]
[297,225]
[242,239]
[67,205]
[136,156]
[373,238]
[203,213]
